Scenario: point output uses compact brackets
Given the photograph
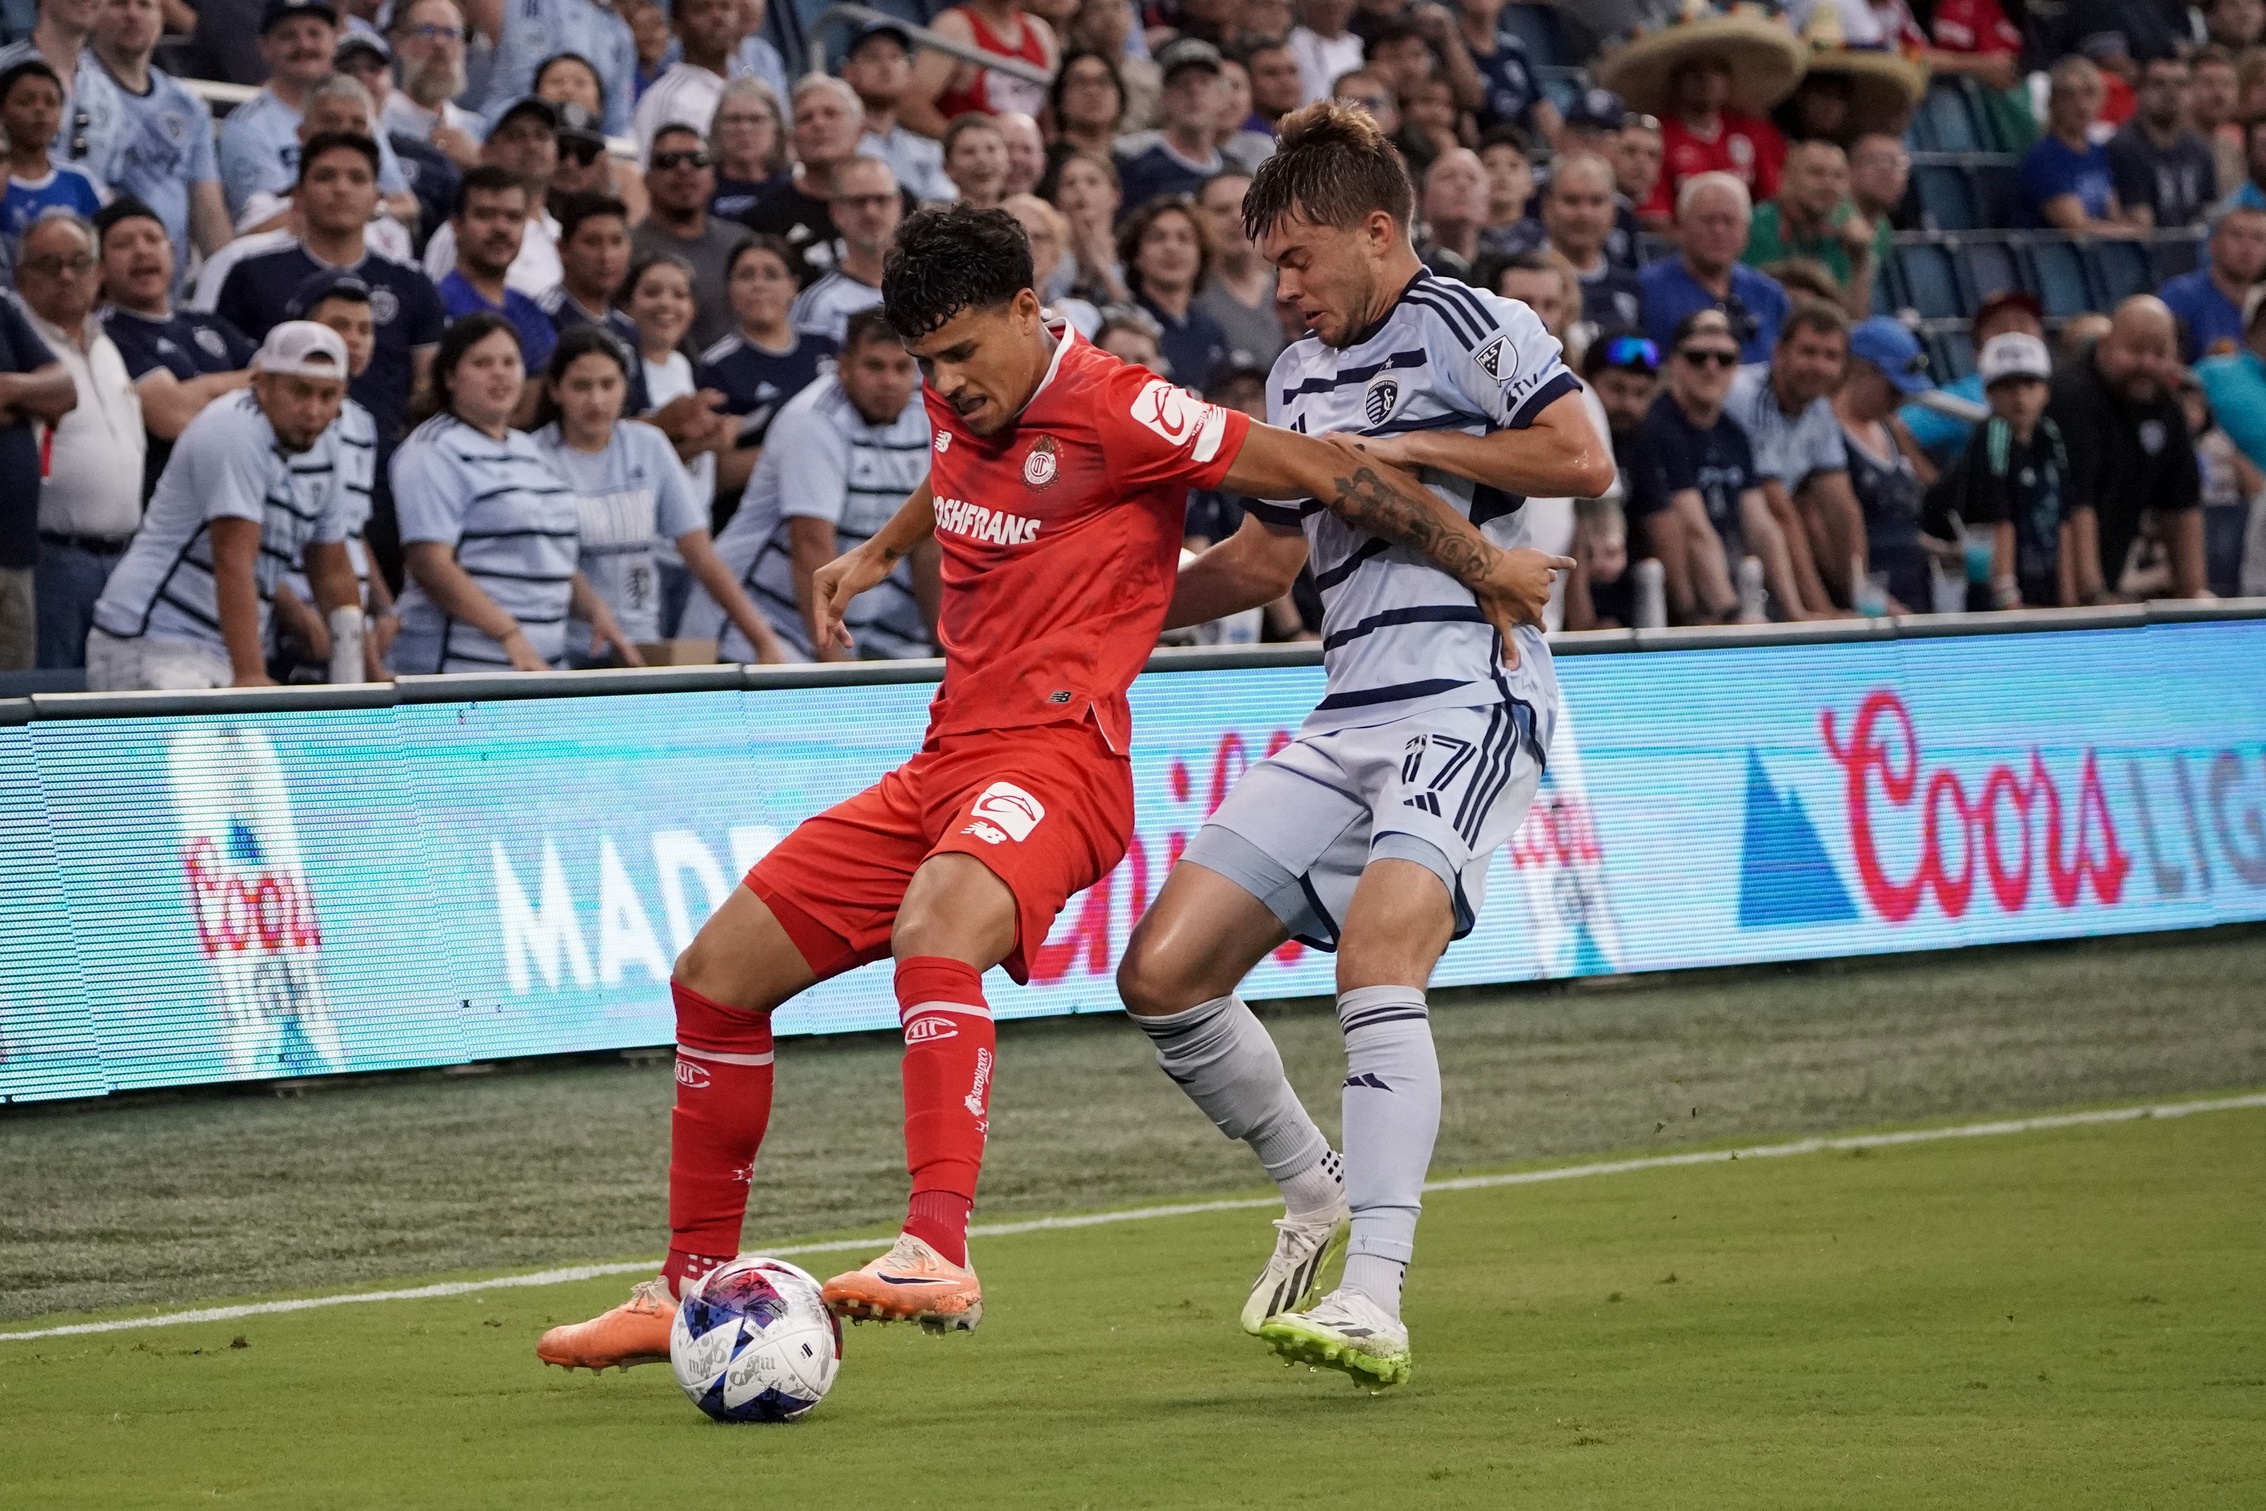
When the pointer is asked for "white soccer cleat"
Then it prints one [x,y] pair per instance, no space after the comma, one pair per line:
[1292,1279]
[1345,1331]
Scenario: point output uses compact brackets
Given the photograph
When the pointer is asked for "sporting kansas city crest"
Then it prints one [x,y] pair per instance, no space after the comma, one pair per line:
[1380,397]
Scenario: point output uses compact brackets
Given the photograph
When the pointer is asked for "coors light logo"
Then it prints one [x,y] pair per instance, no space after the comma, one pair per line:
[253,908]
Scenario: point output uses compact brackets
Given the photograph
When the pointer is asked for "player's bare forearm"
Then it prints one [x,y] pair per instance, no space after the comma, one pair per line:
[1559,456]
[1254,566]
[1364,492]
[846,576]
[330,573]
[811,544]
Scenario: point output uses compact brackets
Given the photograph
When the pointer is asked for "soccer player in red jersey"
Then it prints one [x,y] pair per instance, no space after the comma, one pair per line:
[1057,487]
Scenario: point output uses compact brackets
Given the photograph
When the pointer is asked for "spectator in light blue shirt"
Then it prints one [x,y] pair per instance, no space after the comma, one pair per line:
[259,142]
[2208,301]
[165,155]
[2066,179]
[1713,214]
[536,30]
[86,133]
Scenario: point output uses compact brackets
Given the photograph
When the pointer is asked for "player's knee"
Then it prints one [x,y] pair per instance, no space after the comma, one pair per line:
[1143,979]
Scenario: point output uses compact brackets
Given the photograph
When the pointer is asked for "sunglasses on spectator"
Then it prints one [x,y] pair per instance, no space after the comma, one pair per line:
[431,33]
[1632,351]
[584,152]
[665,161]
[865,201]
[1700,356]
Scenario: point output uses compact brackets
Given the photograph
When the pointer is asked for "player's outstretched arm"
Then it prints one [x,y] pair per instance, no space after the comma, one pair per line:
[846,576]
[1511,587]
[1560,455]
[1254,566]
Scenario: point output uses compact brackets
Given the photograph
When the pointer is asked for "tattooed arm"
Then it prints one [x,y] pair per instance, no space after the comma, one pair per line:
[1511,586]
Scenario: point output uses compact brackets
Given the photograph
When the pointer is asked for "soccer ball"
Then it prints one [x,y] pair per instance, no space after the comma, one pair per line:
[754,1342]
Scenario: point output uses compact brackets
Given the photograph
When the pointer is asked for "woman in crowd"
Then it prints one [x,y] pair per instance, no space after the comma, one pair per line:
[657,297]
[1167,252]
[1089,102]
[1086,192]
[630,494]
[765,361]
[1885,369]
[488,531]
[750,149]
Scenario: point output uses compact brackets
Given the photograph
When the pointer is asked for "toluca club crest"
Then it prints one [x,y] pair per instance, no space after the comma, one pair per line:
[1040,466]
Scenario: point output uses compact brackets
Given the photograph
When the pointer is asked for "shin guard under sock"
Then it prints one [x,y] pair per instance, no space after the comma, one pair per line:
[723,1106]
[1392,1117]
[949,1047]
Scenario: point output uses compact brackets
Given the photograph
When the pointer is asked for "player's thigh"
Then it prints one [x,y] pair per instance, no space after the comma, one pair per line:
[958,908]
[1398,926]
[1201,936]
[742,957]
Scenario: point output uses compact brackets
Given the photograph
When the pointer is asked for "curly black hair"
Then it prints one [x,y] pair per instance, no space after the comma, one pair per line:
[950,258]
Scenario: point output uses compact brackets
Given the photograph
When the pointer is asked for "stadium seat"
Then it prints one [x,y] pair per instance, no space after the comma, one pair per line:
[1997,191]
[1987,268]
[2120,269]
[1929,282]
[1947,203]
[1946,121]
[2174,256]
[1951,356]
[1537,27]
[2057,277]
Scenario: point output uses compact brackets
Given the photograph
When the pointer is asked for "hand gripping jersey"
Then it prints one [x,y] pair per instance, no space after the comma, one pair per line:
[1399,636]
[1061,540]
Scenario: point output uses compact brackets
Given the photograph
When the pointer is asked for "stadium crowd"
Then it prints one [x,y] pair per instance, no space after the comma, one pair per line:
[1887,307]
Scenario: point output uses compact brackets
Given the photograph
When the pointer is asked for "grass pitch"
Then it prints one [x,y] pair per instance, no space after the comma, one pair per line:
[2064,1319]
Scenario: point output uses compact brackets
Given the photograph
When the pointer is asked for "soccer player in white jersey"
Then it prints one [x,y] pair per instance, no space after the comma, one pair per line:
[1370,833]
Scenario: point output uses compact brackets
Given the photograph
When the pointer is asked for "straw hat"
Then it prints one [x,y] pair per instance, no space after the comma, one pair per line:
[1766,59]
[1884,87]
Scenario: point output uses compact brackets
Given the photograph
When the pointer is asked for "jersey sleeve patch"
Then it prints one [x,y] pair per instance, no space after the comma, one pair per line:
[1180,418]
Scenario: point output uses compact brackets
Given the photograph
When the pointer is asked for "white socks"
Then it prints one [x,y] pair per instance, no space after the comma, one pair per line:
[1217,1053]
[1392,1117]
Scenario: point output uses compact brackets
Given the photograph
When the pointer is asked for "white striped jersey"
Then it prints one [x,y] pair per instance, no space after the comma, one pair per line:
[628,498]
[512,524]
[1399,635]
[823,460]
[357,434]
[227,464]
[825,307]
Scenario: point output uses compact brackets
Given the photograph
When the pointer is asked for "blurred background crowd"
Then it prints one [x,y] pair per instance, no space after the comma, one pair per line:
[1887,307]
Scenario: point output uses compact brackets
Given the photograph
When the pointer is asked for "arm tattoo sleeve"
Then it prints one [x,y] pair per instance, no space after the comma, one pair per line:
[1421,524]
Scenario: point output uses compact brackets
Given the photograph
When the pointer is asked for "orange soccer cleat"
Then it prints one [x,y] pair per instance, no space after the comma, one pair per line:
[636,1332]
[910,1283]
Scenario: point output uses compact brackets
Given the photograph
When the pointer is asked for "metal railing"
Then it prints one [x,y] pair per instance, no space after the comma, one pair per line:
[502,686]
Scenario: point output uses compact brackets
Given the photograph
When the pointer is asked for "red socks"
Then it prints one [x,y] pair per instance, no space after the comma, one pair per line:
[723,1106]
[949,1047]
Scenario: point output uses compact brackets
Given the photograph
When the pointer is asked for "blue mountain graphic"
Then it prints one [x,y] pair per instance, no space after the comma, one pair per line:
[1785,876]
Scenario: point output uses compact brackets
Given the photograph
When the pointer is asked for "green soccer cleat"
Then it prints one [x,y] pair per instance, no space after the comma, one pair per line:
[1292,1280]
[1345,1331]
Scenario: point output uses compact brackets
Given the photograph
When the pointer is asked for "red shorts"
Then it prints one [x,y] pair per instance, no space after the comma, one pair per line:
[1048,809]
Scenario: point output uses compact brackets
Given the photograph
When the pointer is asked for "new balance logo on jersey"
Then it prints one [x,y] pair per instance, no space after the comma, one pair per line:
[1369,1079]
[986,833]
[956,516]
[929,1028]
[1010,808]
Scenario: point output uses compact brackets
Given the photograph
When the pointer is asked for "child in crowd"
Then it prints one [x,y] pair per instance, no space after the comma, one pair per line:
[31,110]
[1601,591]
[2011,484]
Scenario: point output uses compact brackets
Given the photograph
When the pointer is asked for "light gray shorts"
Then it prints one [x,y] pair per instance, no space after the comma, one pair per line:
[1444,788]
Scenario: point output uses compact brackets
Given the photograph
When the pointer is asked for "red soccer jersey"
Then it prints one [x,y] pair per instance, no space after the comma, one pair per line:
[1978,26]
[1061,539]
[1743,145]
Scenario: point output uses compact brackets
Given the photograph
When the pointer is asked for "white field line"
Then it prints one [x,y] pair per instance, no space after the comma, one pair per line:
[580,1272]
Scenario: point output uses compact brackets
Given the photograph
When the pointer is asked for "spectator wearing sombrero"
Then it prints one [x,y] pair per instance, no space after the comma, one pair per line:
[1710,79]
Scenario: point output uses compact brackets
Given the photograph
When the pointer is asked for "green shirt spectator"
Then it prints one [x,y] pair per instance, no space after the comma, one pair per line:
[1814,217]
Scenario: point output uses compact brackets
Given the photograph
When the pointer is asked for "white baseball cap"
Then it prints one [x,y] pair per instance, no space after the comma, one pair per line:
[302,349]
[2014,354]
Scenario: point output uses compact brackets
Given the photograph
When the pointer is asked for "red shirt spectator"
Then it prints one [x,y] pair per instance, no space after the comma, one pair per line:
[1977,26]
[1745,146]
